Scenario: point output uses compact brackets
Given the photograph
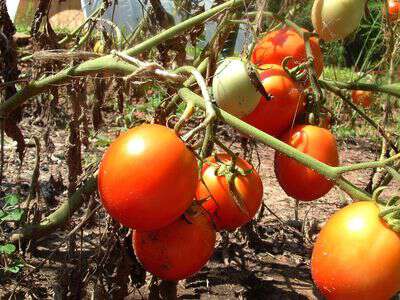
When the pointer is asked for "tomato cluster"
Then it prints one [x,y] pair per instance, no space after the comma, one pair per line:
[148,180]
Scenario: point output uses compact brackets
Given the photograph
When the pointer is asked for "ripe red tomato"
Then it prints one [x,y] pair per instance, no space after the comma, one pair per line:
[394,10]
[297,180]
[363,98]
[276,115]
[356,255]
[217,199]
[178,250]
[278,44]
[147,177]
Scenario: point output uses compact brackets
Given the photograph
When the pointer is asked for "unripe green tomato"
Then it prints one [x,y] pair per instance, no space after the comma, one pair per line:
[336,19]
[233,89]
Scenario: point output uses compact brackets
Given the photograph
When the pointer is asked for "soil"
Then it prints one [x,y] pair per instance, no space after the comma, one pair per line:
[269,259]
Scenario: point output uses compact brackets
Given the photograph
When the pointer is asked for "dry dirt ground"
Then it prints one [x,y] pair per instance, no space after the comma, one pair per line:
[269,262]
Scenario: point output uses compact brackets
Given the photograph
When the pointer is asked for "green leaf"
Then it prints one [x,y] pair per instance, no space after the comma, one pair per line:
[15,268]
[13,215]
[7,249]
[11,199]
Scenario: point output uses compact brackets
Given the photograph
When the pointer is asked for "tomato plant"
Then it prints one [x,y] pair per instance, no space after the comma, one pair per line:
[218,198]
[363,98]
[178,250]
[297,180]
[356,255]
[285,42]
[147,177]
[275,115]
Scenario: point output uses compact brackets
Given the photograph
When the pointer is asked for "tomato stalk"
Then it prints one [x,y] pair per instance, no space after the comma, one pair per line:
[209,108]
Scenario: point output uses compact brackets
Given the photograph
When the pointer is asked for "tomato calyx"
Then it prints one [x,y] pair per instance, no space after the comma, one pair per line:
[389,210]
[230,171]
[298,72]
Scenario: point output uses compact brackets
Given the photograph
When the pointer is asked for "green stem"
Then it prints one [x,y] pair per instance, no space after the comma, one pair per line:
[323,169]
[108,62]
[365,165]
[390,89]
[34,88]
[59,217]
[79,28]
[183,26]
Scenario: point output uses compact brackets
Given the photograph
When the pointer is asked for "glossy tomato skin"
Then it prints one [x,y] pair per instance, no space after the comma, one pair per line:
[219,202]
[278,114]
[297,180]
[394,10]
[178,250]
[147,177]
[363,98]
[233,89]
[356,256]
[278,44]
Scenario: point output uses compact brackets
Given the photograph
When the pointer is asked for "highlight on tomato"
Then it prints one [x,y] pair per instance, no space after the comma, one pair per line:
[296,180]
[276,45]
[393,10]
[233,89]
[147,177]
[230,206]
[335,20]
[356,255]
[178,250]
[363,98]
[277,114]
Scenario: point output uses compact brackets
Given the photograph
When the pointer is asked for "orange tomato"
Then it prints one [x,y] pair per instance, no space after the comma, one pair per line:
[297,180]
[356,255]
[276,115]
[394,10]
[363,98]
[178,250]
[278,44]
[147,177]
[217,199]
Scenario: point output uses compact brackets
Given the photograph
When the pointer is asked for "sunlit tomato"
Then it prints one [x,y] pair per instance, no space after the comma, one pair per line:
[394,10]
[219,201]
[297,180]
[232,88]
[178,250]
[356,255]
[147,177]
[335,20]
[363,98]
[276,115]
[278,44]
